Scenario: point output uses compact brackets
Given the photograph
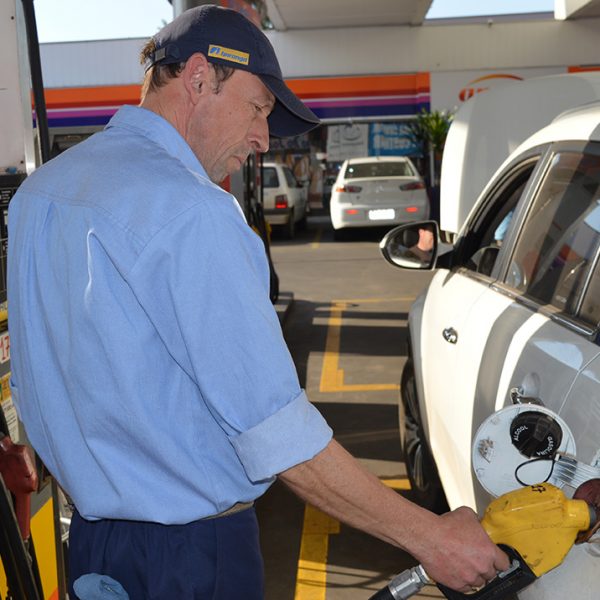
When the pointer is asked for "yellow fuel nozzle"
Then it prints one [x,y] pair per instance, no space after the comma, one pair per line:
[539,522]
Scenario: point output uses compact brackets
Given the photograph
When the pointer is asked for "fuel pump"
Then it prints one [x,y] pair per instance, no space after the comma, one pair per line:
[28,495]
[18,480]
[246,186]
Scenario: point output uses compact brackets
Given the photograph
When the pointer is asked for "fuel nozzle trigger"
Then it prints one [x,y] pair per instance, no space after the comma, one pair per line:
[511,581]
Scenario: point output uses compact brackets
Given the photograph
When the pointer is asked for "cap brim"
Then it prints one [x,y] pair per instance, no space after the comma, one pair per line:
[290,116]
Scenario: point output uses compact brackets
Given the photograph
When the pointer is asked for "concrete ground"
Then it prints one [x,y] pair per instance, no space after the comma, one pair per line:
[344,312]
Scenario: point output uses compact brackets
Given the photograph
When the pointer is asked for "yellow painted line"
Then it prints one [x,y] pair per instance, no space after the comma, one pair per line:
[311,577]
[332,377]
[397,484]
[374,300]
[317,241]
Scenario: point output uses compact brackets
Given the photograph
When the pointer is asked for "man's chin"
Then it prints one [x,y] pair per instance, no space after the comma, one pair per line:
[233,165]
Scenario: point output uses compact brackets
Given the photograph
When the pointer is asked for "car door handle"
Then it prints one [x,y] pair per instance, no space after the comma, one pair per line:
[450,335]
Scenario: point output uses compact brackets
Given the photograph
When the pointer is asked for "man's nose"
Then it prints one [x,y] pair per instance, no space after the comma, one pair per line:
[259,135]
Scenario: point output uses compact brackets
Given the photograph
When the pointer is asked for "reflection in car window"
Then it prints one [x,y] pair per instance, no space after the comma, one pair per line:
[381,169]
[270,179]
[559,239]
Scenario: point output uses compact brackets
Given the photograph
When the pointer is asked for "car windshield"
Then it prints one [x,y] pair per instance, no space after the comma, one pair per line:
[270,179]
[378,169]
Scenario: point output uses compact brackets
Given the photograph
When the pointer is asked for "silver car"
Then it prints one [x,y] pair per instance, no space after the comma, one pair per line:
[377,191]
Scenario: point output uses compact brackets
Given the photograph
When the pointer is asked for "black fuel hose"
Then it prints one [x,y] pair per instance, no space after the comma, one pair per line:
[37,81]
[383,594]
[22,583]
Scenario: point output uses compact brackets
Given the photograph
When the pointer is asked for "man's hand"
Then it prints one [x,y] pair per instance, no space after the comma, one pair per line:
[459,553]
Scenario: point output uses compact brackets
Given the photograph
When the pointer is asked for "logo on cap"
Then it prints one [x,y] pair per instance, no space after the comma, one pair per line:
[241,58]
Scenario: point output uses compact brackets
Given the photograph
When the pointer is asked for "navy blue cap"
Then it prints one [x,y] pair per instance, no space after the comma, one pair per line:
[228,38]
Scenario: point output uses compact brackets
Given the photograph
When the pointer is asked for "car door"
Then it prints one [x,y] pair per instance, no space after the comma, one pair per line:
[554,276]
[574,294]
[581,409]
[579,574]
[528,335]
[464,320]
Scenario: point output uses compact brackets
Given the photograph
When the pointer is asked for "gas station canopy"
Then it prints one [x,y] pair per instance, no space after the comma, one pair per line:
[313,14]
[330,14]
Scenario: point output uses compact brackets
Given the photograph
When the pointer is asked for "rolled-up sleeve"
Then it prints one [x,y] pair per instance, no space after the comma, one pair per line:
[265,448]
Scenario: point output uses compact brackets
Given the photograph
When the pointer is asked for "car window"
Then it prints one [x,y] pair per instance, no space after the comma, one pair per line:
[486,232]
[558,243]
[289,176]
[270,179]
[590,308]
[382,169]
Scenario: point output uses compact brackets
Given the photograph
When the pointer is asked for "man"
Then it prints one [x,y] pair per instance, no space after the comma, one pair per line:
[423,249]
[149,367]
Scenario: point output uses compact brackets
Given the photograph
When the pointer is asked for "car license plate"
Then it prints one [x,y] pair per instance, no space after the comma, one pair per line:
[381,214]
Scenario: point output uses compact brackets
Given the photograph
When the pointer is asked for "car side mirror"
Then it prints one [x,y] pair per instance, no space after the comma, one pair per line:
[412,246]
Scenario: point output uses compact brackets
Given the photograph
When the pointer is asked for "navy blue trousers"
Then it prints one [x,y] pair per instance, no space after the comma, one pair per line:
[212,559]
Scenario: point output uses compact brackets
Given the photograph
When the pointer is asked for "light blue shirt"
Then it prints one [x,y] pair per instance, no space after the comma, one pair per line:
[148,364]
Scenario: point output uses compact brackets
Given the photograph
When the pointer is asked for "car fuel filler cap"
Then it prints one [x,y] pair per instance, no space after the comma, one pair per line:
[517,446]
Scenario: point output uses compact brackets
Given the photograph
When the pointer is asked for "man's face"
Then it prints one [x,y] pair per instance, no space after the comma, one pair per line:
[230,124]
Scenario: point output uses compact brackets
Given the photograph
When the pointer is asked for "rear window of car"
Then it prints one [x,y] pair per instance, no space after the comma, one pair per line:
[270,178]
[381,170]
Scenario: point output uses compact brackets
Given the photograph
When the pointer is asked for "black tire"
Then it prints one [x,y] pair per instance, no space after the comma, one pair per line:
[303,222]
[339,235]
[426,487]
[289,229]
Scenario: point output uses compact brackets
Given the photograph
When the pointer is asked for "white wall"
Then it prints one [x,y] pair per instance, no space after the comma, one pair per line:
[471,46]
[455,54]
[92,63]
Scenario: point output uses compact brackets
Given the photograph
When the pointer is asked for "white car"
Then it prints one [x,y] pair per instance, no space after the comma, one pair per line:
[285,200]
[377,191]
[511,317]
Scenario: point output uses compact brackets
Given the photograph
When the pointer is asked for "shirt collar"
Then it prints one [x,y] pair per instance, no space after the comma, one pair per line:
[158,130]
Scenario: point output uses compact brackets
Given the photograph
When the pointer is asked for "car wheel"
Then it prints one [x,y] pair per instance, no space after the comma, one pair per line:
[289,229]
[422,473]
[303,222]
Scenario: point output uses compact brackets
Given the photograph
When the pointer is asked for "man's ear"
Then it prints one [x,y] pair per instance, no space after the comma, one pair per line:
[196,76]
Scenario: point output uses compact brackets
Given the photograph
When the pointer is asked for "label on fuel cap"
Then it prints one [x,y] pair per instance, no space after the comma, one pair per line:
[498,464]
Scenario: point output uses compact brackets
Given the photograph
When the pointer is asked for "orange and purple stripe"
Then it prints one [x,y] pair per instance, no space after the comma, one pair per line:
[367,96]
[329,97]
